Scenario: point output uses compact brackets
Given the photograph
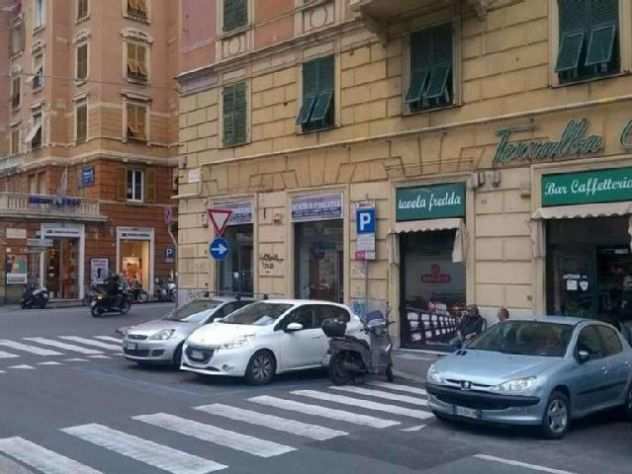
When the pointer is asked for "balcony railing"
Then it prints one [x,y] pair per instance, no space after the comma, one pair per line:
[38,206]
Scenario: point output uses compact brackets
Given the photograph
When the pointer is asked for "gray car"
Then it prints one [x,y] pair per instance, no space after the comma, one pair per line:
[160,341]
[543,372]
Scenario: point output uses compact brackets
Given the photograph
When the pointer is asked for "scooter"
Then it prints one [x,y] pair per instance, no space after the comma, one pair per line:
[35,296]
[104,303]
[138,293]
[352,358]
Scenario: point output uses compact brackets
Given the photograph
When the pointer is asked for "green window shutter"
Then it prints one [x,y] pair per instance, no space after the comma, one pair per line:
[418,82]
[571,46]
[438,85]
[228,115]
[322,106]
[604,20]
[235,14]
[325,90]
[442,44]
[310,92]
[572,14]
[240,114]
[441,70]
[420,63]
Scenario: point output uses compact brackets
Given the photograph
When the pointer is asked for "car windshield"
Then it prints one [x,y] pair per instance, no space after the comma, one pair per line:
[533,338]
[193,312]
[257,314]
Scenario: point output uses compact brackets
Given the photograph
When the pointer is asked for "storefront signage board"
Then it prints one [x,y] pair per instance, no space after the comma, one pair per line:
[61,232]
[18,234]
[39,243]
[589,187]
[574,143]
[430,202]
[241,211]
[317,207]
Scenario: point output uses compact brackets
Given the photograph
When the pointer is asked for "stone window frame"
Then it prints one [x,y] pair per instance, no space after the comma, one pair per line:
[625,44]
[138,102]
[37,65]
[82,42]
[442,18]
[79,102]
[133,171]
[38,111]
[138,38]
[331,50]
[17,37]
[220,113]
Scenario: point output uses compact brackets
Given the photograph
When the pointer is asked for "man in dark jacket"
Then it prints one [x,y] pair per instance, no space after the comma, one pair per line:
[470,326]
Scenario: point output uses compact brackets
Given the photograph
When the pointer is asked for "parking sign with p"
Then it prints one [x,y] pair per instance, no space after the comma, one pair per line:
[365,221]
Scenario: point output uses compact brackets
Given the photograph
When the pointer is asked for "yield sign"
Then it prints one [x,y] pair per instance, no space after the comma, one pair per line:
[219,218]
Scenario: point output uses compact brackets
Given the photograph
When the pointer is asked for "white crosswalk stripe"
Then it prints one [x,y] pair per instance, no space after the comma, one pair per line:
[62,345]
[400,388]
[215,435]
[42,459]
[90,342]
[18,346]
[142,450]
[316,432]
[7,355]
[99,356]
[51,362]
[108,338]
[22,367]
[365,404]
[76,359]
[324,412]
[383,394]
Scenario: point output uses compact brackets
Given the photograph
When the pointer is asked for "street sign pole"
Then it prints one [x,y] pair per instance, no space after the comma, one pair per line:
[365,244]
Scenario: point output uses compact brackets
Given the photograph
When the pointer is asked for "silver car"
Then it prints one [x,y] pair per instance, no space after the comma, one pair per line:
[542,372]
[160,341]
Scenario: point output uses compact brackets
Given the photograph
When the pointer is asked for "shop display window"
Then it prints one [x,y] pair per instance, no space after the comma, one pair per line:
[235,272]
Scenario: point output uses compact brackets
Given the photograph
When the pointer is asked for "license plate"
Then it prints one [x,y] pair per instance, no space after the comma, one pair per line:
[197,355]
[466,412]
[130,346]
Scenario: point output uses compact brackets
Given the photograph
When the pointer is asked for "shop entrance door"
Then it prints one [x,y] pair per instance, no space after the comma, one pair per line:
[235,272]
[62,269]
[572,281]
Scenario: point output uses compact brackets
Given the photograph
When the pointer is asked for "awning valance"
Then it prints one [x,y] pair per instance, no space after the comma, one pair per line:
[584,211]
[427,225]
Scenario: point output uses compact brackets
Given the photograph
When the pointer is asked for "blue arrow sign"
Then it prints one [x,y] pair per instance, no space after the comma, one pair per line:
[219,249]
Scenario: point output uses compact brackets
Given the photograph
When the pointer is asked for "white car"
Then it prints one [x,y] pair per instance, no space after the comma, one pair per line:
[266,338]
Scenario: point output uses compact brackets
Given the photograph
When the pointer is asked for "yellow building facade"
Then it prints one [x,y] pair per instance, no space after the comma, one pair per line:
[499,177]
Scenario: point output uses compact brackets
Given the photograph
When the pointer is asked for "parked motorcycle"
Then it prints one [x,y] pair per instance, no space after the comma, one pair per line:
[353,358]
[35,296]
[138,293]
[105,303]
[165,291]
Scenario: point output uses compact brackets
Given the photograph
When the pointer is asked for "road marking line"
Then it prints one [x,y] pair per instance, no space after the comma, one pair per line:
[108,338]
[62,345]
[364,404]
[414,428]
[7,355]
[212,434]
[42,459]
[317,432]
[142,450]
[76,359]
[324,412]
[18,346]
[91,342]
[510,462]
[10,466]
[382,394]
[50,363]
[22,367]
[99,356]
[400,388]
[2,372]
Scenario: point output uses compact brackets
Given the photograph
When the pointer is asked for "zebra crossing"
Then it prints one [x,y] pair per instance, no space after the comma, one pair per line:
[261,426]
[55,351]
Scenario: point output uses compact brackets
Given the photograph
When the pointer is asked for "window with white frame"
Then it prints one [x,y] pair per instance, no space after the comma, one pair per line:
[82,9]
[39,13]
[135,185]
[38,71]
[81,121]
[136,121]
[82,62]
[15,140]
[137,69]
[17,39]
[16,92]
[137,9]
[589,39]
[36,134]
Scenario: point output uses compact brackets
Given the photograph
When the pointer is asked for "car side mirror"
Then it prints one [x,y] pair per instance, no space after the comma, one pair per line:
[583,356]
[293,327]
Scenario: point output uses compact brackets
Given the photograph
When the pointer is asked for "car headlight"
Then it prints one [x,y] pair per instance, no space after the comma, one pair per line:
[241,341]
[521,385]
[162,335]
[434,376]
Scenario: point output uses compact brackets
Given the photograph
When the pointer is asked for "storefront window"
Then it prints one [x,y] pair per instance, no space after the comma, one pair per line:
[135,262]
[433,288]
[235,272]
[589,268]
[319,260]
[61,266]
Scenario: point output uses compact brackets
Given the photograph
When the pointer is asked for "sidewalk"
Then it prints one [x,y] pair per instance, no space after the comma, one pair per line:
[413,365]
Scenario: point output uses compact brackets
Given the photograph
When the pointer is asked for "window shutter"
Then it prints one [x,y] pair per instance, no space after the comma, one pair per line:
[240,118]
[141,122]
[228,115]
[82,61]
[572,15]
[235,14]
[82,123]
[141,61]
[604,19]
[310,91]
[121,185]
[132,68]
[325,90]
[150,185]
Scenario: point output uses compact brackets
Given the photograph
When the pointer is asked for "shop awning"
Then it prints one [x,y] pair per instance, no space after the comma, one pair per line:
[584,211]
[427,225]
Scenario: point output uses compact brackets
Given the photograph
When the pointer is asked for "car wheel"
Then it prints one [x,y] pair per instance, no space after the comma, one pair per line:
[177,357]
[627,407]
[556,419]
[96,311]
[261,368]
[338,373]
